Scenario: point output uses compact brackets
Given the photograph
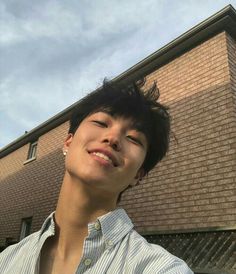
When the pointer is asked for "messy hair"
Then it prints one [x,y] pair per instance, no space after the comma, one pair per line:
[130,101]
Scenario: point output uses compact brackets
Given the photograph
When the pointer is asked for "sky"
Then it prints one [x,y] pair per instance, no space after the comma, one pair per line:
[53,52]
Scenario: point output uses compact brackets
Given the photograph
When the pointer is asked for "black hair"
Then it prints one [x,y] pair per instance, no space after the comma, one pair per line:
[149,116]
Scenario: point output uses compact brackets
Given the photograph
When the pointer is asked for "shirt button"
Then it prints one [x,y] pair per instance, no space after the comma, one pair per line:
[97,225]
[109,242]
[87,262]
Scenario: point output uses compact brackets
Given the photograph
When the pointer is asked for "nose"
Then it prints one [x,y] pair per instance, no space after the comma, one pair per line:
[113,140]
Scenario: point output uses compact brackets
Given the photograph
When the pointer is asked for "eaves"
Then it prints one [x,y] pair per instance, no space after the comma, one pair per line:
[224,20]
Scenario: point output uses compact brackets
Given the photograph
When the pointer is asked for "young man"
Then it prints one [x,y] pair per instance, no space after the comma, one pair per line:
[117,134]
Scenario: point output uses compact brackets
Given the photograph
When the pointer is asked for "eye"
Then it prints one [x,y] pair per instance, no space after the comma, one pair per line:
[100,123]
[134,140]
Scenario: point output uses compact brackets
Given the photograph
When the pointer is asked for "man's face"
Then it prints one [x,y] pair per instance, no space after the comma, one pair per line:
[106,153]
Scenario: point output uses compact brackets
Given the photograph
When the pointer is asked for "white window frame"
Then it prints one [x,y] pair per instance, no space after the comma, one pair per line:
[25,227]
[32,152]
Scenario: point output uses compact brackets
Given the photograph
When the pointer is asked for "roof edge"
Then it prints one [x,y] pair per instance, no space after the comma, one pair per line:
[225,19]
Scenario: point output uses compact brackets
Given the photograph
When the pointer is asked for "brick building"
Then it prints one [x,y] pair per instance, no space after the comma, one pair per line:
[188,202]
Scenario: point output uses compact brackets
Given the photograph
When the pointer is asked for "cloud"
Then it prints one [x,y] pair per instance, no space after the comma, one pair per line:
[53,52]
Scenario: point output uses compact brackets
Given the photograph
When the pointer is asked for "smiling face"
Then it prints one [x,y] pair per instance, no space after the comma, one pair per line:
[106,152]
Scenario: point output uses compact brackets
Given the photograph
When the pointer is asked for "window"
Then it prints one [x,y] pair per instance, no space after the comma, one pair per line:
[25,227]
[32,150]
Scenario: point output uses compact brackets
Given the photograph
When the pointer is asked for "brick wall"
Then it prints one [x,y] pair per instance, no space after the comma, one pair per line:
[195,185]
[31,189]
[232,65]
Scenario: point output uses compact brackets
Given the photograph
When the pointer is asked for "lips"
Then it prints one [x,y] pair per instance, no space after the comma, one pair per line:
[105,155]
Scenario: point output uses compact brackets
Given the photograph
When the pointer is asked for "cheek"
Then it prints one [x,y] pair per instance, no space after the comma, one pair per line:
[80,140]
[136,158]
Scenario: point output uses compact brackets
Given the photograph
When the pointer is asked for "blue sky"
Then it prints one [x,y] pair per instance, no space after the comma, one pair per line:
[53,52]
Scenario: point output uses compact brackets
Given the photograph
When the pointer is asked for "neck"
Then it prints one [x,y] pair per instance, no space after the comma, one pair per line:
[78,205]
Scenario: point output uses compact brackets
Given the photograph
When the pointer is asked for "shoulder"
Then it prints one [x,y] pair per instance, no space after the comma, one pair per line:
[153,258]
[30,240]
[17,253]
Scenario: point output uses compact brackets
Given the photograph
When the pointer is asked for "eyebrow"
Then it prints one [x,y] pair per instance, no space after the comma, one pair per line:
[135,125]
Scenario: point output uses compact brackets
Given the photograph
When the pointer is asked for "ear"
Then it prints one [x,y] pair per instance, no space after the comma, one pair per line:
[138,177]
[67,141]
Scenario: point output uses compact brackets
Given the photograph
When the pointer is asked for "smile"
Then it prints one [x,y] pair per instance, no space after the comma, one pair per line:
[103,156]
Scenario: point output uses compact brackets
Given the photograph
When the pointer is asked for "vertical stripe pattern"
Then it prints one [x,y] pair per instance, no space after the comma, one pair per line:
[112,246]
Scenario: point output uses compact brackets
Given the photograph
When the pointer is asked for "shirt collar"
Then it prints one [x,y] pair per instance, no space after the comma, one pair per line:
[114,226]
[48,225]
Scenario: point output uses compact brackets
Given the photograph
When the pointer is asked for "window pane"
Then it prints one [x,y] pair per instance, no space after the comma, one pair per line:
[25,227]
[32,150]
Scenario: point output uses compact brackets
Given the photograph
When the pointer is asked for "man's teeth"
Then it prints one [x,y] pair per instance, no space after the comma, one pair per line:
[103,156]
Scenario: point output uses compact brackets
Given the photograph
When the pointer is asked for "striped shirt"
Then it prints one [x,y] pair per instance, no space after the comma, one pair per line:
[112,246]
